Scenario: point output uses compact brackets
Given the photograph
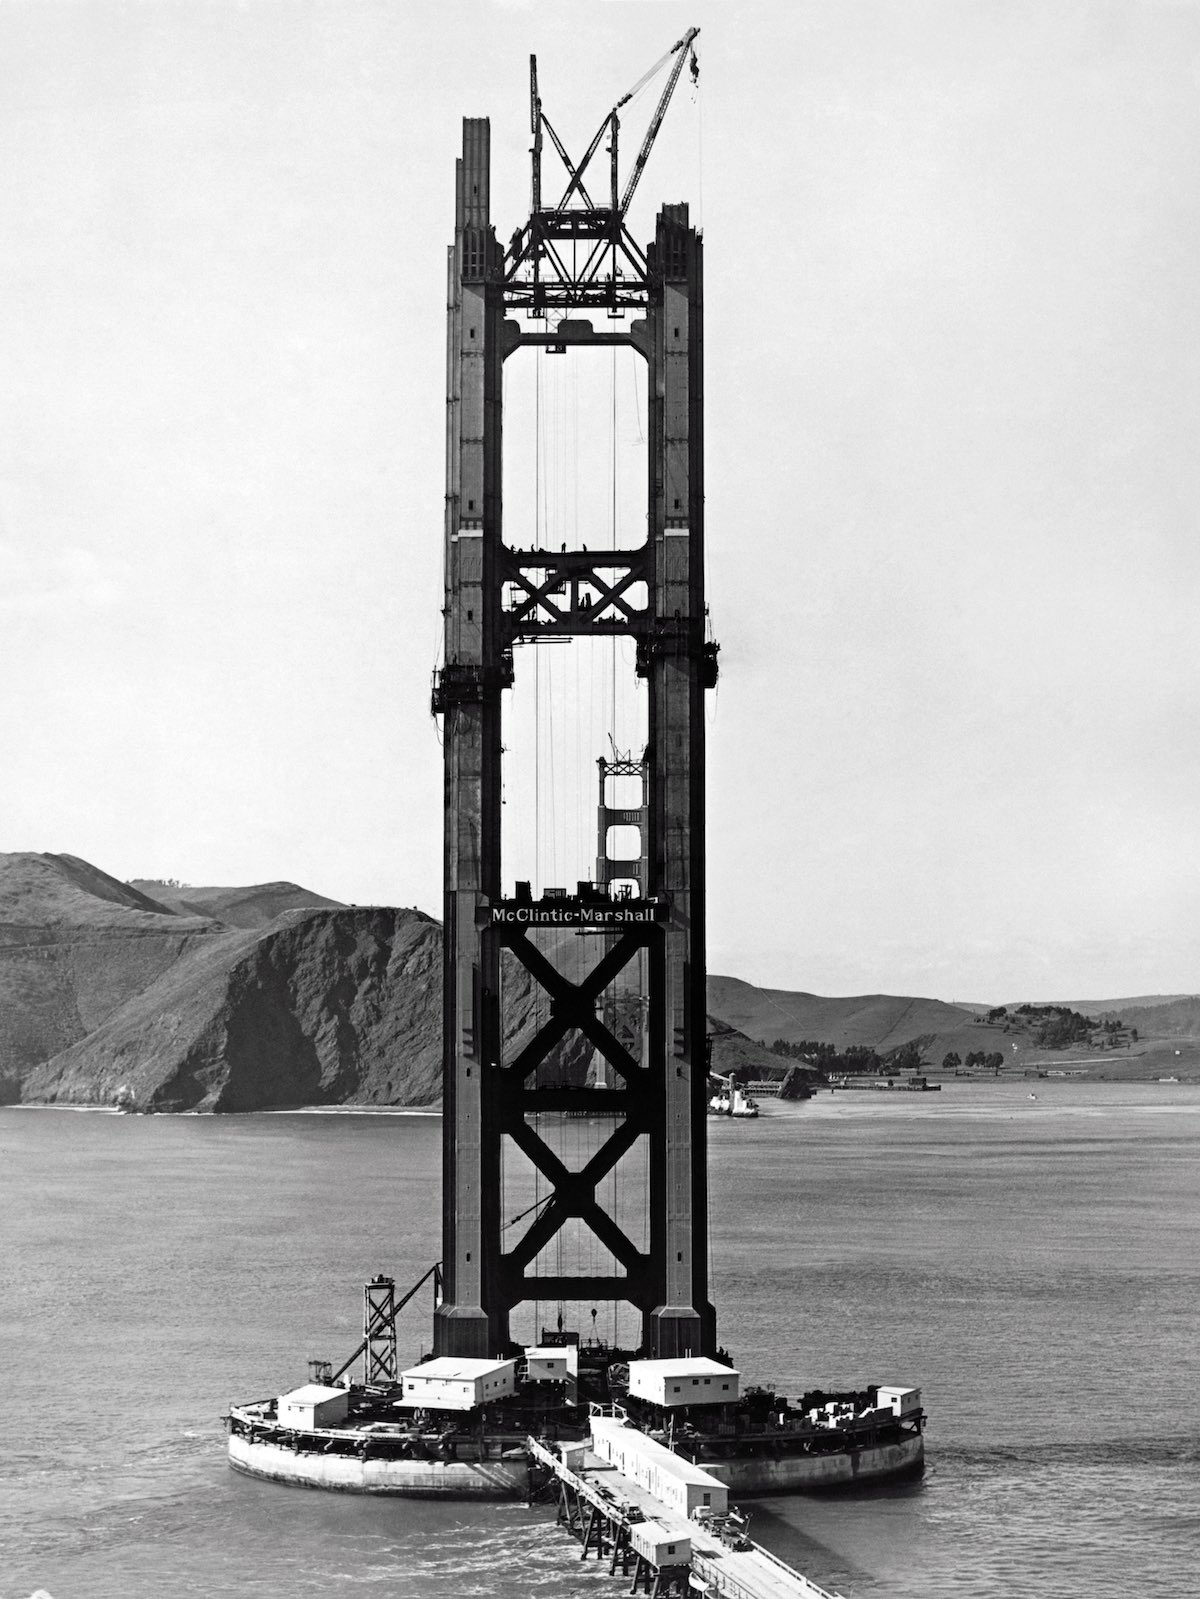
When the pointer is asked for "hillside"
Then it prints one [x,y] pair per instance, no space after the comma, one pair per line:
[732,1051]
[236,907]
[43,890]
[1177,1018]
[269,996]
[75,944]
[315,1006]
[1103,1008]
[881,1020]
[323,1007]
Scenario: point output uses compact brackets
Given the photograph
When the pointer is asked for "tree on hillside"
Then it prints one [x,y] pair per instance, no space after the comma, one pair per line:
[906,1058]
[1058,1026]
[994,1061]
[828,1058]
[805,1049]
[950,1060]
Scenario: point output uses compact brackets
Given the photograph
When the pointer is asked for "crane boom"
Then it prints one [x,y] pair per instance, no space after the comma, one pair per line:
[535,127]
[579,253]
[680,53]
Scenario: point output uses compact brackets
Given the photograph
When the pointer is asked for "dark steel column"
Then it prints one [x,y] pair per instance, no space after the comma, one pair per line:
[468,694]
[676,664]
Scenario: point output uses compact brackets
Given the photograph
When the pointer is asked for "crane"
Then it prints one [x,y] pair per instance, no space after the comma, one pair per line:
[578,252]
[681,51]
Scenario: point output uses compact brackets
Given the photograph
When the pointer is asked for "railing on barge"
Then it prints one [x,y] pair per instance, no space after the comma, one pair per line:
[397,1441]
[770,1440]
[375,1441]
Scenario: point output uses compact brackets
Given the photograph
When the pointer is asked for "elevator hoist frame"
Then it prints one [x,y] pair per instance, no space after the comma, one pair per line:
[575,257]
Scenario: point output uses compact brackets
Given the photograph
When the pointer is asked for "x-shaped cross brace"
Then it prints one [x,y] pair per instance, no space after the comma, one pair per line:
[574,1195]
[539,594]
[574,1004]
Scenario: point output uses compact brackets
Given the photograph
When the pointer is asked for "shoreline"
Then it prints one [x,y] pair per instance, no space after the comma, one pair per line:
[1035,1086]
[287,1110]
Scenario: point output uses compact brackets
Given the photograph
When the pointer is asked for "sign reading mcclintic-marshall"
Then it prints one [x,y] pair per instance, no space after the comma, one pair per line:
[601,915]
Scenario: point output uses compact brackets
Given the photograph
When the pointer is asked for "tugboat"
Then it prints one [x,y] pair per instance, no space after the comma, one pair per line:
[743,1105]
[729,1100]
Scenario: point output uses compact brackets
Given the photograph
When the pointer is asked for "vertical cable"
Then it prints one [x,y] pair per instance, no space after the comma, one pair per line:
[699,152]
[612,728]
[540,543]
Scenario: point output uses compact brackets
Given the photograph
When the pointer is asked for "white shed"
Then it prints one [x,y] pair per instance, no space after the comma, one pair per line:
[900,1401]
[454,1383]
[661,1544]
[675,1482]
[694,1380]
[548,1363]
[314,1405]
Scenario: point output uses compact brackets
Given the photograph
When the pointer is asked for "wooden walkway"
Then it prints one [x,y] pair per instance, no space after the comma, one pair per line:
[602,1508]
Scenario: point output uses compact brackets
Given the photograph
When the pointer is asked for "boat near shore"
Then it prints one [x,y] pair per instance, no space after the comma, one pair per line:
[731,1099]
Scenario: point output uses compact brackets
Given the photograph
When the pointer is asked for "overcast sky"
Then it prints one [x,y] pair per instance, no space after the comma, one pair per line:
[953,378]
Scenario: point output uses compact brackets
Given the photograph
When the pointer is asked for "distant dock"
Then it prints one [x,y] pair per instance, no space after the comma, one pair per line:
[892,1085]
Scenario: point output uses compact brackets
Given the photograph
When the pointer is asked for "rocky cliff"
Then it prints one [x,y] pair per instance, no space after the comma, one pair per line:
[320,1007]
[75,945]
[281,1002]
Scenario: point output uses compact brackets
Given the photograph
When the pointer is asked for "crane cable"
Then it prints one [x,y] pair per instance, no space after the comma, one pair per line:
[646,76]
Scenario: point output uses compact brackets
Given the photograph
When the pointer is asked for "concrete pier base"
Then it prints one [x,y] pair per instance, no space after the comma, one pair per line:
[507,1479]
[416,1479]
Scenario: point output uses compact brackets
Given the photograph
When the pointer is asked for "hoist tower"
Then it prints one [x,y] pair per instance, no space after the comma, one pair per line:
[574,276]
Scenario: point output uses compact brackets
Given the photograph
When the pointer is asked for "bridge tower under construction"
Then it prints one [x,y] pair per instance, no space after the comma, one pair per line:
[610,962]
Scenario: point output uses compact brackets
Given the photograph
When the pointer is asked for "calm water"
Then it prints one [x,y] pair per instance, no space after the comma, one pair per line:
[1034,1265]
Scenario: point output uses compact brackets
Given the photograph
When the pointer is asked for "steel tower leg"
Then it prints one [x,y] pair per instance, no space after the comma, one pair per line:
[675,661]
[468,1321]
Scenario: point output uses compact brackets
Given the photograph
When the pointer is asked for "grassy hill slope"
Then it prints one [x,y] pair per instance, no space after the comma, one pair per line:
[254,906]
[882,1021]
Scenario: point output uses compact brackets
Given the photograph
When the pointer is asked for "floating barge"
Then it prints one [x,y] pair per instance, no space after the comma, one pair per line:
[436,1433]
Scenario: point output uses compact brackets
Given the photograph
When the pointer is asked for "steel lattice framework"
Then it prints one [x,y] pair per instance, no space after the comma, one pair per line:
[574,255]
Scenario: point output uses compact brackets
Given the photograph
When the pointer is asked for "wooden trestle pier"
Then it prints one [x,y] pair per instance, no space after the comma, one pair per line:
[604,1510]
